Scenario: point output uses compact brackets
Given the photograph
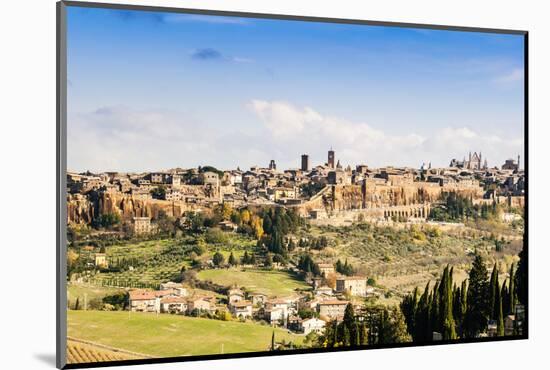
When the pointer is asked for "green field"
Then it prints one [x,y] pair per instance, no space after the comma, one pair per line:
[272,283]
[81,291]
[169,335]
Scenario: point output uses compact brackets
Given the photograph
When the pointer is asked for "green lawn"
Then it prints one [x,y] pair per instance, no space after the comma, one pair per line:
[169,335]
[272,283]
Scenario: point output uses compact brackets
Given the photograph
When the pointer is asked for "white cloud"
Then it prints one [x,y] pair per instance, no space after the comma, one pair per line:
[306,130]
[515,75]
[125,139]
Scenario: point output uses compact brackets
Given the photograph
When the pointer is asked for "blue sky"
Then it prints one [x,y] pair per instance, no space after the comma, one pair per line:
[152,90]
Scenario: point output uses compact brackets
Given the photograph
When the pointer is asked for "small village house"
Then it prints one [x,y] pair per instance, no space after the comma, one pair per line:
[355,285]
[326,268]
[332,309]
[242,309]
[313,325]
[173,305]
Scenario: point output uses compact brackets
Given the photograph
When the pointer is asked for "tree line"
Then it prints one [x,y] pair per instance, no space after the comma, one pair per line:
[464,310]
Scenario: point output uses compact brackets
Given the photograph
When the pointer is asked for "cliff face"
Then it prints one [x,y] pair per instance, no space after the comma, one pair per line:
[79,209]
[373,195]
[83,209]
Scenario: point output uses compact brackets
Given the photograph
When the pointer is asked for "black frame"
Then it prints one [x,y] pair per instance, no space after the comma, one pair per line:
[61,166]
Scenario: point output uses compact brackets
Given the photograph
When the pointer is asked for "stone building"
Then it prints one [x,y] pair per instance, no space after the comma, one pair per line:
[331,158]
[101,260]
[510,164]
[142,225]
[326,268]
[305,163]
[333,309]
[356,285]
[474,162]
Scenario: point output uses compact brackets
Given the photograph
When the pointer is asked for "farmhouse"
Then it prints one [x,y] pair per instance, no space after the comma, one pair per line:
[143,301]
[198,303]
[295,324]
[177,288]
[142,225]
[333,309]
[323,291]
[257,298]
[101,260]
[235,295]
[356,285]
[326,269]
[174,305]
[314,324]
[242,309]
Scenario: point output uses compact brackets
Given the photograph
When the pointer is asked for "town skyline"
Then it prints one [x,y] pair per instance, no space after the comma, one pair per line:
[312,164]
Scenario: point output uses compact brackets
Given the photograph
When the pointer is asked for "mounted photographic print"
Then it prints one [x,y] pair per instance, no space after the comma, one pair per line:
[236,184]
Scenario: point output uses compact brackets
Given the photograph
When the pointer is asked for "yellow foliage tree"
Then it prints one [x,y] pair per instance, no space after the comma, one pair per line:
[245,216]
[257,226]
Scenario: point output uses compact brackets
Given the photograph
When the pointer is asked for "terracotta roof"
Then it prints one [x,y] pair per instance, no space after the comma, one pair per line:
[242,304]
[325,265]
[351,278]
[142,295]
[194,299]
[173,300]
[163,293]
[333,302]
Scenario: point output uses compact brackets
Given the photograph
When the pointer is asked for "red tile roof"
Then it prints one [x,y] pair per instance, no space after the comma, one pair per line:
[333,302]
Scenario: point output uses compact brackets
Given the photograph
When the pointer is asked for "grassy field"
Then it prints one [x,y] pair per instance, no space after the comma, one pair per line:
[272,283]
[79,291]
[169,335]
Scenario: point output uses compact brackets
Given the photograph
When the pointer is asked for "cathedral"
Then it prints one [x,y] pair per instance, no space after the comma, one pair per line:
[474,162]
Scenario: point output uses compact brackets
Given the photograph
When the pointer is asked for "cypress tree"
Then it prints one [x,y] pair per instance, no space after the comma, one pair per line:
[478,305]
[232,261]
[77,304]
[273,340]
[356,339]
[448,325]
[346,336]
[499,315]
[363,334]
[335,339]
[409,306]
[498,297]
[521,278]
[435,319]
[464,298]
[511,293]
[349,316]
[493,287]
[505,297]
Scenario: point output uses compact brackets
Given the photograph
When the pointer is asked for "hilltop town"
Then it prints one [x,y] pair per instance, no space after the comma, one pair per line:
[304,250]
[326,191]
